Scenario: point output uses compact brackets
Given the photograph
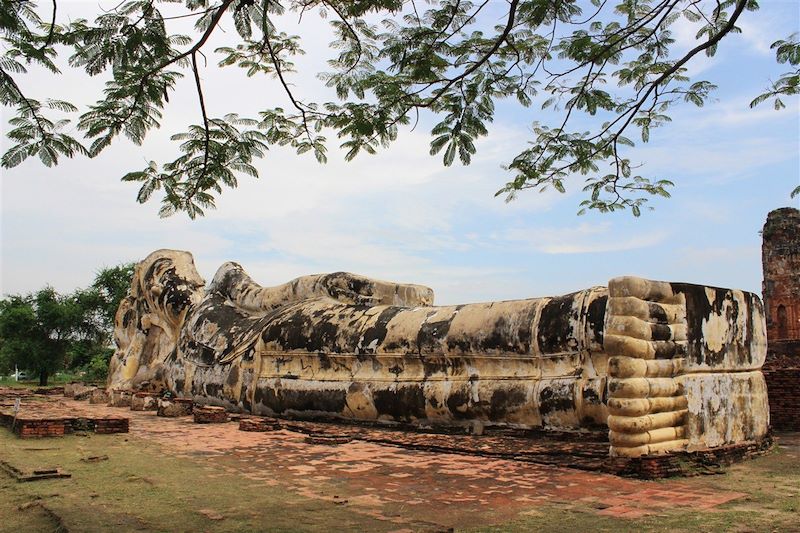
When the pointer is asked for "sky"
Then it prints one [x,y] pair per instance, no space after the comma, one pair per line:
[400,215]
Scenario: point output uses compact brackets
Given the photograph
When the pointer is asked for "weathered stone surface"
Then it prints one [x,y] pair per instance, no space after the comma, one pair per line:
[781,263]
[684,367]
[121,398]
[85,394]
[77,388]
[174,407]
[99,396]
[144,401]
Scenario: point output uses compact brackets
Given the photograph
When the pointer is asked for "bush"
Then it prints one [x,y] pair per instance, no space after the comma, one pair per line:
[97,368]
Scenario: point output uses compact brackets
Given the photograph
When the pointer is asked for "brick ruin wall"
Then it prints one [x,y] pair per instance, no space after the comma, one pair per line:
[781,263]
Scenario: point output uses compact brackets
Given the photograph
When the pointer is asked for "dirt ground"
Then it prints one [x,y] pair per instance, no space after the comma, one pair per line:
[174,475]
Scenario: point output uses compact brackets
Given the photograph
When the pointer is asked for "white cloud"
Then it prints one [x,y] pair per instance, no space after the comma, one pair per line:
[759,33]
[584,238]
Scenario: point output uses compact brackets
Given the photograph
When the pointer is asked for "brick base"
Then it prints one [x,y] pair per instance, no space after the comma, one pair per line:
[783,387]
[688,463]
[109,425]
[207,414]
[782,374]
[26,428]
[258,424]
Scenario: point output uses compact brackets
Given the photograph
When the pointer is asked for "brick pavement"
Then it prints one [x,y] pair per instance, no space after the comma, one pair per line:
[387,481]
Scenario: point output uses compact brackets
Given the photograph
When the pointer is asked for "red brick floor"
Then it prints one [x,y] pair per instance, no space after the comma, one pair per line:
[389,482]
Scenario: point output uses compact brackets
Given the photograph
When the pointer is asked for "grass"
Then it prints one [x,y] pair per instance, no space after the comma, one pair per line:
[56,379]
[140,488]
[772,483]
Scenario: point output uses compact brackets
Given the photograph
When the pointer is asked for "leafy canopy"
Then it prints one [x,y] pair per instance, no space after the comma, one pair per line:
[46,331]
[36,330]
[611,60]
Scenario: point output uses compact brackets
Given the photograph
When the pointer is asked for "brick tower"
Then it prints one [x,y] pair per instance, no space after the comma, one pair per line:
[780,254]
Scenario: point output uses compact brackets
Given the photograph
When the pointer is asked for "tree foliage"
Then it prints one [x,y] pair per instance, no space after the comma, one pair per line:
[613,61]
[46,331]
[37,329]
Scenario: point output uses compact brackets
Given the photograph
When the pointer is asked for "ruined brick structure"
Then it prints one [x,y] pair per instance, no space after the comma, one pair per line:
[781,261]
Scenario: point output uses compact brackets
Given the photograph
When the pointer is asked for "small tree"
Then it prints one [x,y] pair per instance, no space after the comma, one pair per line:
[46,331]
[112,285]
[99,304]
[37,330]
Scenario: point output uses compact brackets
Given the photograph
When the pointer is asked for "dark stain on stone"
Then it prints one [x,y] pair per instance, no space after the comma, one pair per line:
[657,313]
[282,400]
[434,365]
[213,390]
[233,376]
[669,350]
[698,310]
[403,404]
[374,335]
[431,334]
[458,345]
[556,398]
[596,316]
[501,337]
[324,361]
[505,400]
[660,332]
[460,404]
[591,396]
[555,333]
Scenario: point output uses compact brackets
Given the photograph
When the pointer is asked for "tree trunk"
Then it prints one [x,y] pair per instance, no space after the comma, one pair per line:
[43,378]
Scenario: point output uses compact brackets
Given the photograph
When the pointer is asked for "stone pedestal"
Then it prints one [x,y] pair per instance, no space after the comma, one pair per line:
[99,396]
[121,398]
[144,401]
[174,407]
[76,388]
[207,414]
[85,393]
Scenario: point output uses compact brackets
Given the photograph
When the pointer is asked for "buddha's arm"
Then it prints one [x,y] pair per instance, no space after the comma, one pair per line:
[237,286]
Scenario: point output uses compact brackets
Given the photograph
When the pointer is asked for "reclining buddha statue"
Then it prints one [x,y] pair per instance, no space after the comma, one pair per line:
[664,366]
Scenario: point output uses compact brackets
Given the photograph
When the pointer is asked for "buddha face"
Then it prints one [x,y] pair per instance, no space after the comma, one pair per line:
[164,289]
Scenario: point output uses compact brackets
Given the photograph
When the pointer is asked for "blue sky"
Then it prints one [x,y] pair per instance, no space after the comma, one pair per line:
[400,215]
